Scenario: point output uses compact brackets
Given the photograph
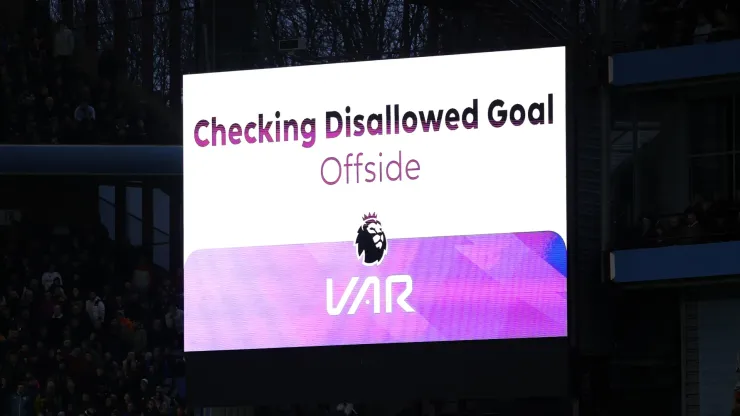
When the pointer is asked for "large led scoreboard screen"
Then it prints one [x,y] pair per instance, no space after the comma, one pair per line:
[331,210]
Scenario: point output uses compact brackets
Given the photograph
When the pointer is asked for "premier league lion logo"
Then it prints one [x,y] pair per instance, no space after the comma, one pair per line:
[371,243]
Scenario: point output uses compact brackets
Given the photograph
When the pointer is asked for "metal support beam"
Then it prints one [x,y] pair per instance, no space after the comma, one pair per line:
[605,29]
[683,354]
[121,218]
[147,220]
[636,163]
[176,225]
[573,286]
[734,139]
[571,173]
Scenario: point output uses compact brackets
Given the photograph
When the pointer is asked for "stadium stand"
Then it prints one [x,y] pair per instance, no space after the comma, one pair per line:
[702,222]
[88,329]
[47,99]
[77,339]
[663,24]
[667,23]
[87,325]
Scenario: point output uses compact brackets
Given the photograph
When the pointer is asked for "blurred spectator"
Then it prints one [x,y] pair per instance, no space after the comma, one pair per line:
[667,23]
[84,112]
[703,221]
[141,276]
[50,277]
[45,98]
[175,319]
[725,26]
[96,310]
[64,43]
[702,30]
[96,346]
[21,402]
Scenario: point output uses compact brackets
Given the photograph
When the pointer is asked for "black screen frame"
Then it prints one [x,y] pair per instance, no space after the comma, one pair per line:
[501,369]
[508,369]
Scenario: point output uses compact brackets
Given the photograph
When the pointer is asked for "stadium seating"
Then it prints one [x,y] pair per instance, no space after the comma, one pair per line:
[677,41]
[702,222]
[668,23]
[47,99]
[85,329]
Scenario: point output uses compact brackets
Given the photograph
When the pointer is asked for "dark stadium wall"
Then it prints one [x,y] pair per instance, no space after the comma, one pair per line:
[719,350]
[665,188]
[12,14]
[51,199]
[645,370]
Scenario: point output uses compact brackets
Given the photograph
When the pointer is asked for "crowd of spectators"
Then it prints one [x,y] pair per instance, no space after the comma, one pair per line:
[84,330]
[45,98]
[667,23]
[703,221]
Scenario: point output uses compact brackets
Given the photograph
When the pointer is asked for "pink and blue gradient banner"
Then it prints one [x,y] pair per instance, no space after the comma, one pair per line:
[483,287]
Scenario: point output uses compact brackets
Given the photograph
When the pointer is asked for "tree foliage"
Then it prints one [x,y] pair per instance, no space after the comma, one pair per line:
[342,30]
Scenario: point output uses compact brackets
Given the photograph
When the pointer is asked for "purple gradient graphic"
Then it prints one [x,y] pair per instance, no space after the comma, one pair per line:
[497,286]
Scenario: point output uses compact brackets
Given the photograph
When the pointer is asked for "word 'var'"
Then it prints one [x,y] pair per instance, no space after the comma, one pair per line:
[371,283]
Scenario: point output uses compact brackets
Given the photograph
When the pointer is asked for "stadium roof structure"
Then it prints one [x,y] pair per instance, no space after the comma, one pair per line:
[91,160]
